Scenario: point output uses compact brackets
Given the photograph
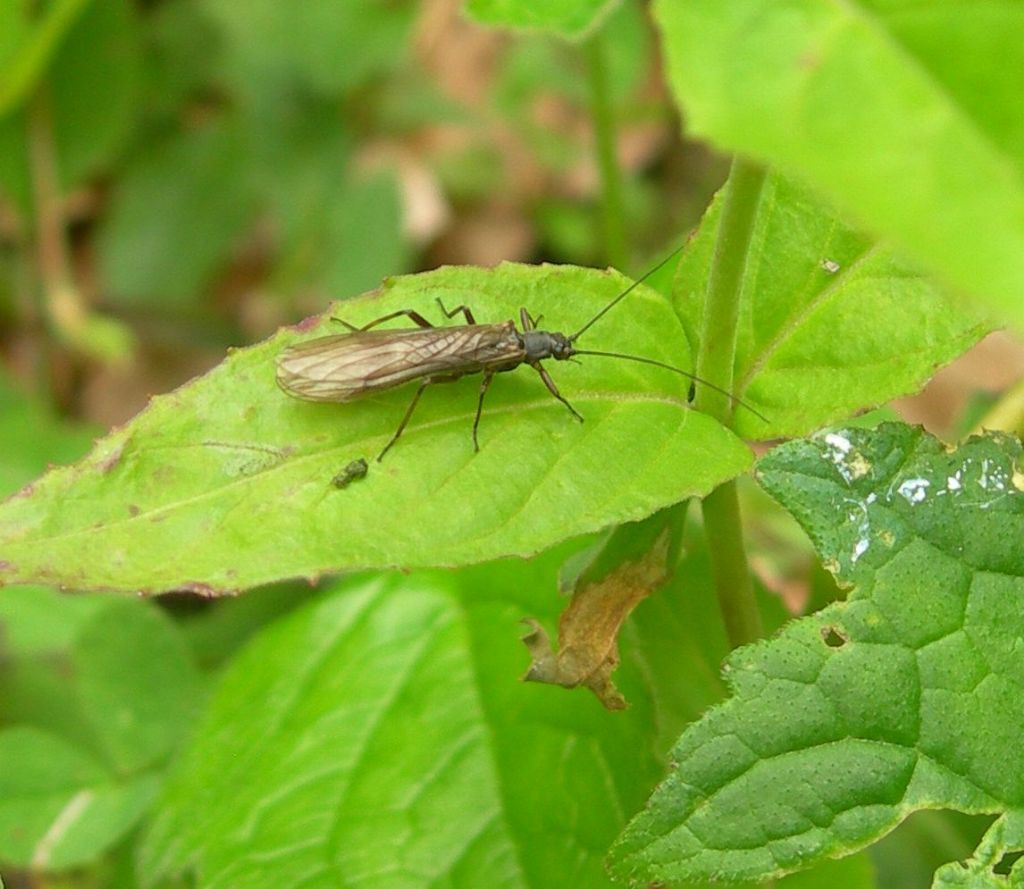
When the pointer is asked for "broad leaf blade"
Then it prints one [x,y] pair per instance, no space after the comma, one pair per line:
[226,483]
[315,761]
[905,697]
[59,808]
[830,323]
[898,111]
[380,737]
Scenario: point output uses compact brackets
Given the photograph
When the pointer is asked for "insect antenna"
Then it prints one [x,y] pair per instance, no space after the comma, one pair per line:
[682,373]
[624,294]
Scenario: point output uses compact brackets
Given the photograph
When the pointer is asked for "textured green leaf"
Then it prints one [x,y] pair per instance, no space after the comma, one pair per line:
[905,697]
[830,323]
[316,762]
[58,807]
[904,113]
[567,18]
[226,483]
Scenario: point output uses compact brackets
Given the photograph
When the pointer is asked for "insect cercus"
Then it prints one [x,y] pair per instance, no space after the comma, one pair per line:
[347,366]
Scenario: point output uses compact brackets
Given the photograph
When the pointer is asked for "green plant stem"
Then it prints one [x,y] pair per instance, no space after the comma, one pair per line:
[613,223]
[63,301]
[729,566]
[722,301]
[67,312]
[715,363]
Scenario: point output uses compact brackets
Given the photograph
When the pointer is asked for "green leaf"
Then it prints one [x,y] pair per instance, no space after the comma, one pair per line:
[226,483]
[321,45]
[572,19]
[315,761]
[904,114]
[27,46]
[136,683]
[28,627]
[910,855]
[176,216]
[830,323]
[904,697]
[854,872]
[93,91]
[362,239]
[183,48]
[94,692]
[58,807]
[338,235]
[108,674]
[31,437]
[379,737]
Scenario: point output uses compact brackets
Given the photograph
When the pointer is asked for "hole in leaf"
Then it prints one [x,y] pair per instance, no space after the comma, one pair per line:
[1007,862]
[833,637]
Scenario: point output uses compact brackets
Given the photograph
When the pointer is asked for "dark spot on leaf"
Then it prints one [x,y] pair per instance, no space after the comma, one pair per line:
[354,471]
[133,510]
[112,459]
[1007,862]
[306,324]
[6,566]
[833,637]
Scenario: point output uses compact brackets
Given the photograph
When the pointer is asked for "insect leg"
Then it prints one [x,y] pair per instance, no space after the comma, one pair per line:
[466,312]
[412,406]
[527,321]
[484,383]
[405,418]
[553,389]
[416,317]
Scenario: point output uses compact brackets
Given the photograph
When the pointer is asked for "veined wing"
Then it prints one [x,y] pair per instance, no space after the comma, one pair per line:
[347,365]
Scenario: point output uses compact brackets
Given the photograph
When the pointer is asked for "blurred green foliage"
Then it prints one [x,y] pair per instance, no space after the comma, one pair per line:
[280,144]
[176,175]
[181,175]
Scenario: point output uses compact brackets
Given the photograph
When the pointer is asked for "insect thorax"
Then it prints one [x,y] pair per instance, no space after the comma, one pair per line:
[539,344]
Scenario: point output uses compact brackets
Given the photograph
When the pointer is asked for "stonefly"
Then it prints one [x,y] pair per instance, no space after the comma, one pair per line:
[347,366]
